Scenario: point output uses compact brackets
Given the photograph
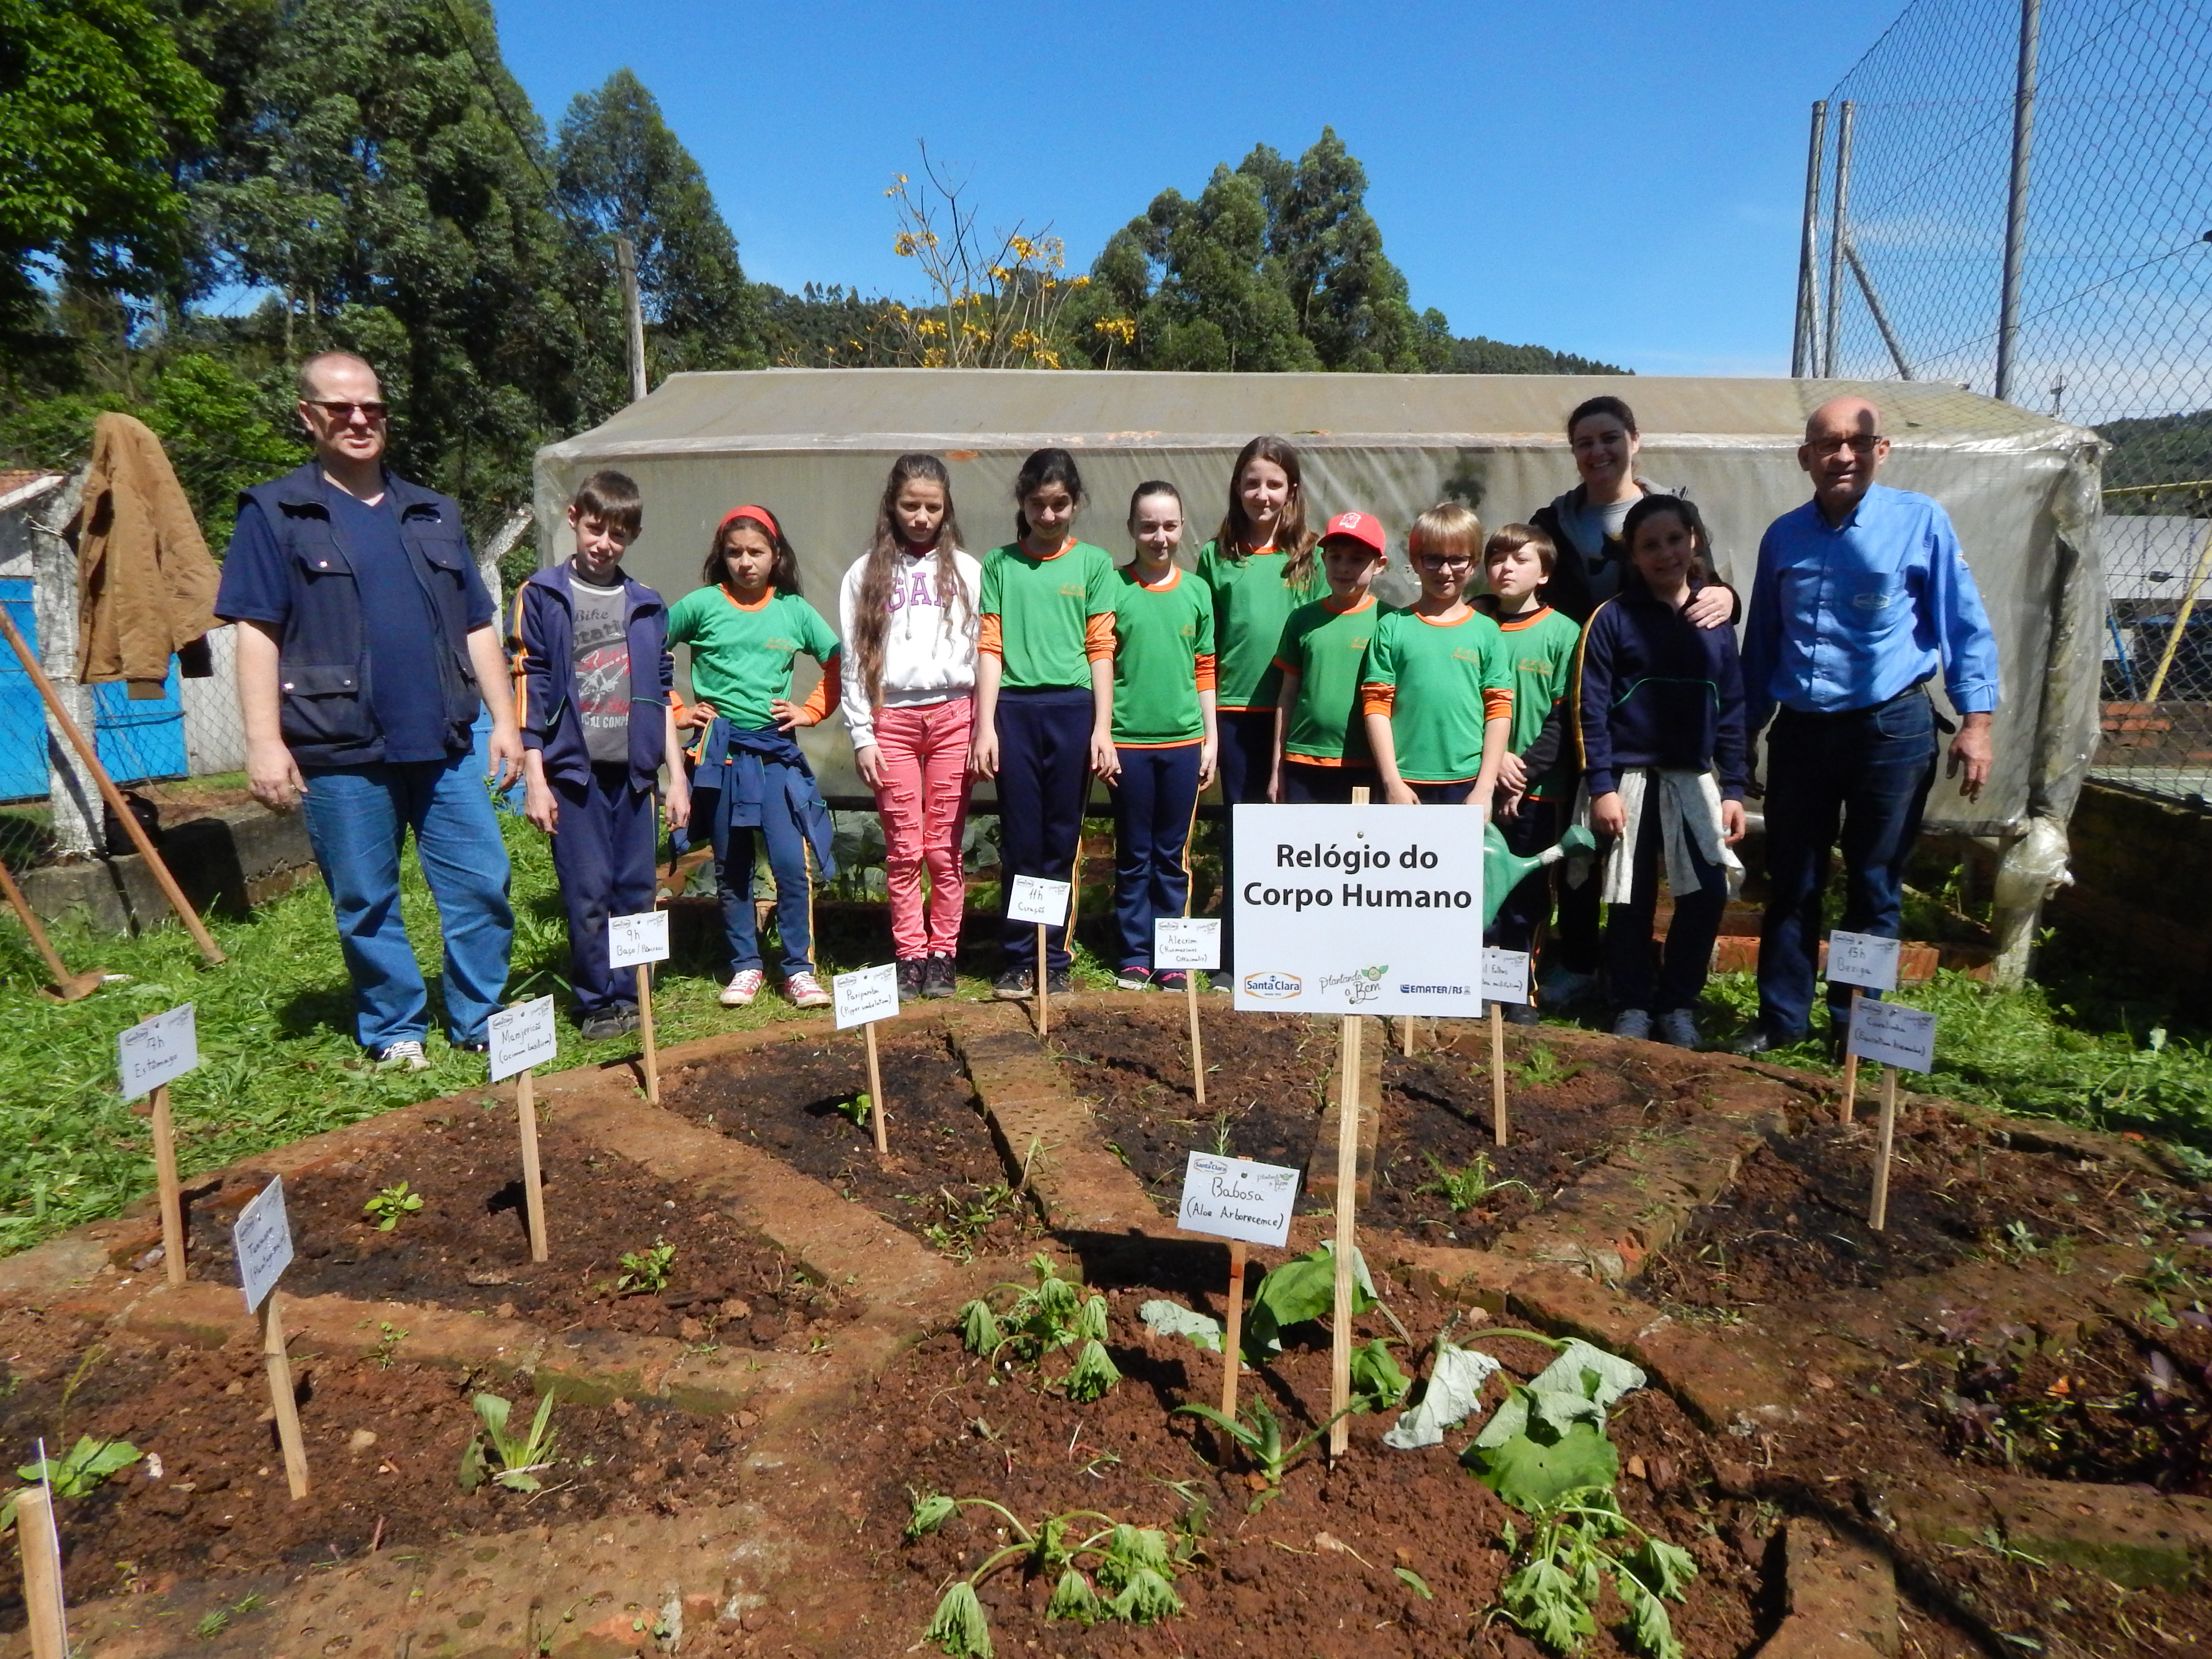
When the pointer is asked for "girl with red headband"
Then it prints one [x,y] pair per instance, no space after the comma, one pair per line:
[744,629]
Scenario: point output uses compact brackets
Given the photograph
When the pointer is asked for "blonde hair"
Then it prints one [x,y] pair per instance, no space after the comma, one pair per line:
[1512,537]
[1447,527]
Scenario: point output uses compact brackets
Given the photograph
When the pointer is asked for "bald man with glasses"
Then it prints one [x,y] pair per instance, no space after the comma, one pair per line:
[1862,596]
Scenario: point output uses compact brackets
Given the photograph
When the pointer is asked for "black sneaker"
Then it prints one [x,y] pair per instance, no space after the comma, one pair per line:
[1521,1013]
[1172,979]
[1633,1023]
[1059,983]
[909,978]
[937,977]
[1014,985]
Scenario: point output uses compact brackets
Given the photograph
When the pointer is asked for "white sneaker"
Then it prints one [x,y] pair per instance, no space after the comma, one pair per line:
[805,991]
[406,1052]
[743,987]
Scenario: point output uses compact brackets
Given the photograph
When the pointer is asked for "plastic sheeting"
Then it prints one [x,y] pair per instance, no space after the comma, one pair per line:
[814,445]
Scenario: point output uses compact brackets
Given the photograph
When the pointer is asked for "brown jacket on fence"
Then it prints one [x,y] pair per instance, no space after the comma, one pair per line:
[145,584]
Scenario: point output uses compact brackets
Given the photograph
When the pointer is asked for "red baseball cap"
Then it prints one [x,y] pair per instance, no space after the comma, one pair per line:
[1363,527]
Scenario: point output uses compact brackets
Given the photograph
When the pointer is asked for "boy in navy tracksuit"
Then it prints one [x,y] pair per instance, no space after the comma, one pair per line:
[594,678]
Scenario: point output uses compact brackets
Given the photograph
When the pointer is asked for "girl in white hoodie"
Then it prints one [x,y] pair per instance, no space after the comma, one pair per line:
[908,611]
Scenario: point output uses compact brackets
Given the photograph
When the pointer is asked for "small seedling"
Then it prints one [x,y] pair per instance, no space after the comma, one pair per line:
[89,1462]
[1259,1433]
[1553,1593]
[646,1272]
[1543,1069]
[389,1206]
[511,1459]
[858,1108]
[387,1347]
[1465,1188]
[1043,1318]
[967,1220]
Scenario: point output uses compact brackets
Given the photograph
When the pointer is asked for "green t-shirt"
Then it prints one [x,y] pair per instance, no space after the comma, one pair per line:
[1327,648]
[1540,646]
[741,659]
[1159,634]
[1251,603]
[1042,605]
[1441,672]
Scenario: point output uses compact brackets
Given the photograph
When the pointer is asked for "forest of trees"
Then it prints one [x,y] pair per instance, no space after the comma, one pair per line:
[195,192]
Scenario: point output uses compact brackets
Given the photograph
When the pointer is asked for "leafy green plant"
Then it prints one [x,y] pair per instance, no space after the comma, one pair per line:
[966,1221]
[1258,1432]
[387,1344]
[646,1272]
[1043,1318]
[1465,1188]
[1377,1384]
[511,1459]
[858,1108]
[1542,1069]
[389,1206]
[1130,1577]
[89,1462]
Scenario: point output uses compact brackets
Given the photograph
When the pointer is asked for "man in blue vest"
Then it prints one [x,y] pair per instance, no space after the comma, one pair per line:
[366,644]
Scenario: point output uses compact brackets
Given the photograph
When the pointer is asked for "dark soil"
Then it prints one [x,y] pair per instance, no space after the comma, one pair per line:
[220,1503]
[1794,1223]
[468,1247]
[1312,1572]
[944,1181]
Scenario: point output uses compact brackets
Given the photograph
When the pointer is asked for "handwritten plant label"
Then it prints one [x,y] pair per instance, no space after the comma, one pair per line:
[634,941]
[1233,1198]
[866,996]
[262,1236]
[522,1037]
[1862,959]
[1504,976]
[1187,942]
[1891,1033]
[157,1051]
[1033,899]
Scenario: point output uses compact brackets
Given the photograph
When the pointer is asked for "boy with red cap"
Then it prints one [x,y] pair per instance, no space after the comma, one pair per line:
[1321,742]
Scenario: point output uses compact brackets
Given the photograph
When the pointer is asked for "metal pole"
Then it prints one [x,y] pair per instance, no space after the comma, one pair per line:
[1838,228]
[1804,348]
[1881,317]
[2023,141]
[626,264]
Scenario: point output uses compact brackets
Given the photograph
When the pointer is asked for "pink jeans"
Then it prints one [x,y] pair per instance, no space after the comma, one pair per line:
[924,807]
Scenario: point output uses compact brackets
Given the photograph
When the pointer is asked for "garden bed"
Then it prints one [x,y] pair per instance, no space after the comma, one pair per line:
[467,1246]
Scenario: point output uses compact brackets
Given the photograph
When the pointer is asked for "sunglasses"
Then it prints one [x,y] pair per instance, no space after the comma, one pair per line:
[343,412]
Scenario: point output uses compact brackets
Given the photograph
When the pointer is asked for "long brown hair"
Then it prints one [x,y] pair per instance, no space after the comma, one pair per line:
[872,612]
[1233,540]
[782,574]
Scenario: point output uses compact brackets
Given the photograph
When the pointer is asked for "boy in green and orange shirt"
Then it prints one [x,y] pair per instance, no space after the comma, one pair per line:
[1321,746]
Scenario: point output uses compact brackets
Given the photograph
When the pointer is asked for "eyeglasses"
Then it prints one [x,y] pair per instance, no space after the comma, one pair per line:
[1860,446]
[343,412]
[1445,561]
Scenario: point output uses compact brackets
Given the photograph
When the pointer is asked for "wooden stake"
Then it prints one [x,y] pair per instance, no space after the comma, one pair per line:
[645,1032]
[110,794]
[1497,1070]
[1878,1212]
[165,1178]
[1198,1066]
[533,1192]
[279,1361]
[1347,1207]
[1406,1034]
[66,987]
[41,1547]
[1850,1064]
[1232,1336]
[875,1091]
[1044,1012]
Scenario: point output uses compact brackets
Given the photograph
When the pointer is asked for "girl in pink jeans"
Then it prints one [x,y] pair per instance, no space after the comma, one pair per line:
[907,613]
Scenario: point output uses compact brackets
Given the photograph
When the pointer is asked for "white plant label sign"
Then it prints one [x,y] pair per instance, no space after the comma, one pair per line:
[262,1236]
[1357,909]
[1187,942]
[1891,1033]
[636,941]
[157,1051]
[521,1037]
[1862,959]
[1235,1198]
[1035,899]
[866,996]
[1504,974]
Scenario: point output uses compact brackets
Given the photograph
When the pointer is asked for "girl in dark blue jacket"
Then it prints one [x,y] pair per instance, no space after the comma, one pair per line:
[1659,712]
[593,677]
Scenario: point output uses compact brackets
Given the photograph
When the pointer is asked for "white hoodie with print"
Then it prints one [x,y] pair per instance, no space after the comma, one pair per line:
[929,656]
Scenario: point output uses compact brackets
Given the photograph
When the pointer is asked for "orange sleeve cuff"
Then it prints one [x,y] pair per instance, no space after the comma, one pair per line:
[991,641]
[1496,706]
[824,697]
[1377,700]
[1205,676]
[1098,637]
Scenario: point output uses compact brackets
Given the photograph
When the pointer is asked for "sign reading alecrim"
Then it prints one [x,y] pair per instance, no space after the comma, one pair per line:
[1358,909]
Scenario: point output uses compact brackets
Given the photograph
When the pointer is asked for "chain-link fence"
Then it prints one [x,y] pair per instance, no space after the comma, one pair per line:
[2016,197]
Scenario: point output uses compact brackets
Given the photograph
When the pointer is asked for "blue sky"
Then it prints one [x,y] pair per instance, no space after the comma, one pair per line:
[1623,181]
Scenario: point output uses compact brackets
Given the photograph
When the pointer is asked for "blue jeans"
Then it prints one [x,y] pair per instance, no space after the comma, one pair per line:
[603,852]
[1865,771]
[358,817]
[788,861]
[1044,779]
[1155,803]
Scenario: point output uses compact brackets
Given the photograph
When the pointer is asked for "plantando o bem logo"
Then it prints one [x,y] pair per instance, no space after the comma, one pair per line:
[1362,986]
[1273,985]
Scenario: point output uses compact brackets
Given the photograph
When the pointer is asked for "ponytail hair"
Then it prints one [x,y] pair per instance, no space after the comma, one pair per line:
[1233,541]
[872,611]
[1044,466]
[783,575]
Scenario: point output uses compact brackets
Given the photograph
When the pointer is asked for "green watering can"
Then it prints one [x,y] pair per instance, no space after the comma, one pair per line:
[1503,869]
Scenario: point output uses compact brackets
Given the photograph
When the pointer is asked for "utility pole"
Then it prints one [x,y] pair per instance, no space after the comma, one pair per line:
[1838,229]
[2023,142]
[1804,349]
[626,266]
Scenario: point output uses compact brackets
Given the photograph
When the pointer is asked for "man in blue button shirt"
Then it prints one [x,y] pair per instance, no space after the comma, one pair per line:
[1862,596]
[366,649]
